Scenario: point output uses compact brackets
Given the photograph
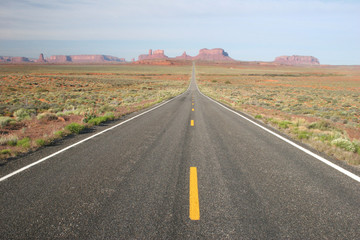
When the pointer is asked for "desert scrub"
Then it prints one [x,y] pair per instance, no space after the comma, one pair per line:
[5,151]
[24,143]
[60,134]
[5,121]
[98,120]
[47,116]
[10,140]
[75,128]
[23,113]
[344,144]
[40,142]
[322,125]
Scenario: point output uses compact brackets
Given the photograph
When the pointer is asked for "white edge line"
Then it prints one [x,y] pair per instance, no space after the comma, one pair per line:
[86,139]
[340,169]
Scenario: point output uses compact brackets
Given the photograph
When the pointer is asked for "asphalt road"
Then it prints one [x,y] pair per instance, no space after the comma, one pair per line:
[133,183]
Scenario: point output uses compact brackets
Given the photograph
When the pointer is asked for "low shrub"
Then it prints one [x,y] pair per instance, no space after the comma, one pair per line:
[325,137]
[59,134]
[98,120]
[75,128]
[303,135]
[344,144]
[25,142]
[106,108]
[258,116]
[5,151]
[40,142]
[4,121]
[10,140]
[284,124]
[47,116]
[88,117]
[322,125]
[23,113]
[109,116]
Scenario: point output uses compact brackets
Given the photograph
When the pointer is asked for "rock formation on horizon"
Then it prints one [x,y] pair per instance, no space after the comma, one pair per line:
[297,60]
[19,59]
[184,56]
[5,58]
[41,58]
[216,54]
[157,54]
[211,55]
[84,59]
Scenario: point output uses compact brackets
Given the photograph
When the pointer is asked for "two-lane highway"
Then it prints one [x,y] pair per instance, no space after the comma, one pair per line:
[135,182]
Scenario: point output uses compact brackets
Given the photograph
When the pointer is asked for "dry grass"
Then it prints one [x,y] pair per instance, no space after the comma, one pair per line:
[38,101]
[319,106]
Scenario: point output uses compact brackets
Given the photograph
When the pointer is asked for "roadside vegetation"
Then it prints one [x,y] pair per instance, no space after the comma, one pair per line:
[319,106]
[42,103]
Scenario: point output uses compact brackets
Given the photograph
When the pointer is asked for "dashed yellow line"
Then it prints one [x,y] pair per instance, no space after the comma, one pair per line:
[192,123]
[193,104]
[194,209]
[193,109]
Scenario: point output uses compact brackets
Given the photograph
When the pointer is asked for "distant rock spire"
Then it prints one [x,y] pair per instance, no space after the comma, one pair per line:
[41,58]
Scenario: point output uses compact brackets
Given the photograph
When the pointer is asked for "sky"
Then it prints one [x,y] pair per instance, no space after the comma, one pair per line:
[248,30]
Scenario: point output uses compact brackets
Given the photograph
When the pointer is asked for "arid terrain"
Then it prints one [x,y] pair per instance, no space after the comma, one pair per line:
[317,105]
[42,103]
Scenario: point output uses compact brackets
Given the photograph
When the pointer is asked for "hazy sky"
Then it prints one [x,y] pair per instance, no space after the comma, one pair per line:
[246,29]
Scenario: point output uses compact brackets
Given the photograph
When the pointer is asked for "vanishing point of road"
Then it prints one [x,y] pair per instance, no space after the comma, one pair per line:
[188,169]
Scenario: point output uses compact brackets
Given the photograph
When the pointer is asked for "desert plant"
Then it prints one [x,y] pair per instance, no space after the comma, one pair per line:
[109,116]
[284,124]
[303,135]
[75,128]
[47,116]
[5,151]
[59,134]
[88,117]
[23,113]
[10,140]
[40,142]
[98,120]
[106,108]
[344,144]
[4,121]
[322,125]
[25,142]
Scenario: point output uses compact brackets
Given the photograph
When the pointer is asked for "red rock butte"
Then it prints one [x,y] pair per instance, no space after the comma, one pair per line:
[214,55]
[297,60]
[157,54]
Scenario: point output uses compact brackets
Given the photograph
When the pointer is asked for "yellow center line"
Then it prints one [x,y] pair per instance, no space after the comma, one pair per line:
[193,104]
[194,210]
[192,109]
[192,123]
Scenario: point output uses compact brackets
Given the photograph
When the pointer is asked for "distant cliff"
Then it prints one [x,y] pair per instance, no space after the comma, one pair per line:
[83,59]
[157,54]
[64,59]
[184,56]
[297,60]
[216,54]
